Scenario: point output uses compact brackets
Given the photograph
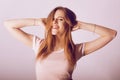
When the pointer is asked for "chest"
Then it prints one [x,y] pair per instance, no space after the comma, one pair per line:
[54,63]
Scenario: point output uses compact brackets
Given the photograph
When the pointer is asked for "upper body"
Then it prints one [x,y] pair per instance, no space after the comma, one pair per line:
[55,66]
[56,54]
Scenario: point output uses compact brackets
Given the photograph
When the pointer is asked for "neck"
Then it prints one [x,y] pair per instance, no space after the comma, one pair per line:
[59,42]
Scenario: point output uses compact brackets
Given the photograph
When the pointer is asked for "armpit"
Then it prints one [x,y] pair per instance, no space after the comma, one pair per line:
[80,50]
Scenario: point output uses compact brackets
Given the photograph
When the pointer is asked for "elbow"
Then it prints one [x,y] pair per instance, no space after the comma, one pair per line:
[113,33]
[6,23]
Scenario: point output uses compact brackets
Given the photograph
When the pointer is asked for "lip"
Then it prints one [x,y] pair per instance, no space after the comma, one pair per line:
[55,27]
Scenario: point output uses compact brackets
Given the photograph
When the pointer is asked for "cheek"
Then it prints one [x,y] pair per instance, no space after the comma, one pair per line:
[62,26]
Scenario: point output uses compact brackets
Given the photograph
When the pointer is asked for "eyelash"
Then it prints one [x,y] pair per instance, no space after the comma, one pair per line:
[58,19]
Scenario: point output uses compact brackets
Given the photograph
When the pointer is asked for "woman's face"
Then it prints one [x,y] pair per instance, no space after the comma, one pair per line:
[58,23]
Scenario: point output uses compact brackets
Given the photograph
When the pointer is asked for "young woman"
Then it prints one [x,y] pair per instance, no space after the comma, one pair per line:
[56,54]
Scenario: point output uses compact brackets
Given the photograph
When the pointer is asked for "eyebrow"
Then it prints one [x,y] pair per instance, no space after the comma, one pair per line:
[60,17]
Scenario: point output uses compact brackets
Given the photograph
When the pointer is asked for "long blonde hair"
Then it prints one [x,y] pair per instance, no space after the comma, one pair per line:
[49,43]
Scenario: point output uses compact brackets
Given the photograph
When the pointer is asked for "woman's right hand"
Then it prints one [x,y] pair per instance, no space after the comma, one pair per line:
[40,22]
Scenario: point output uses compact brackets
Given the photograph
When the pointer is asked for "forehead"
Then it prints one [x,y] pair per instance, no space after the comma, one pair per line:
[59,13]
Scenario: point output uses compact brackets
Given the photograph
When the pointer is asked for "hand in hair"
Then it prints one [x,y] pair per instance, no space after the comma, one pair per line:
[76,27]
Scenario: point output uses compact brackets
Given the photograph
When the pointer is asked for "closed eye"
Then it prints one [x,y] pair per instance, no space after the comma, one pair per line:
[60,19]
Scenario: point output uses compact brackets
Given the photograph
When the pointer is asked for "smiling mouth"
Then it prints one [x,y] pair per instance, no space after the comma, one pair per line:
[55,27]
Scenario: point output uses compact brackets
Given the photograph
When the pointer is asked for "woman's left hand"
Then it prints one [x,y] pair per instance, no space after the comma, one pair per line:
[76,27]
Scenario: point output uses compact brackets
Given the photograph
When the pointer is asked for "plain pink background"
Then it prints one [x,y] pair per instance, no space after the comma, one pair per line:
[17,61]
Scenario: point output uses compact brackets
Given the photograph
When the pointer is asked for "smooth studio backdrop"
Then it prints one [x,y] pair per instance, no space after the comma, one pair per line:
[17,61]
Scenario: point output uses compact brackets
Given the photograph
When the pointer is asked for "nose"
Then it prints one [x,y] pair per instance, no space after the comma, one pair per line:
[54,21]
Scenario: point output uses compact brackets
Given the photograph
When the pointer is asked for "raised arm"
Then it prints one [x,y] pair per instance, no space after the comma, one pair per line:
[106,35]
[14,27]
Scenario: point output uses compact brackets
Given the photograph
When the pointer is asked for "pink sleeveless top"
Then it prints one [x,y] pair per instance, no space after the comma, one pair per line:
[55,66]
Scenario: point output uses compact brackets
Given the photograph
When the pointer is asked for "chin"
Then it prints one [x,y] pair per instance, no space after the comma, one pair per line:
[54,33]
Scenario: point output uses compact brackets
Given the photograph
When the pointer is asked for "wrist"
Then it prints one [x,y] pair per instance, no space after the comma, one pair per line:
[34,22]
[37,21]
[79,24]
